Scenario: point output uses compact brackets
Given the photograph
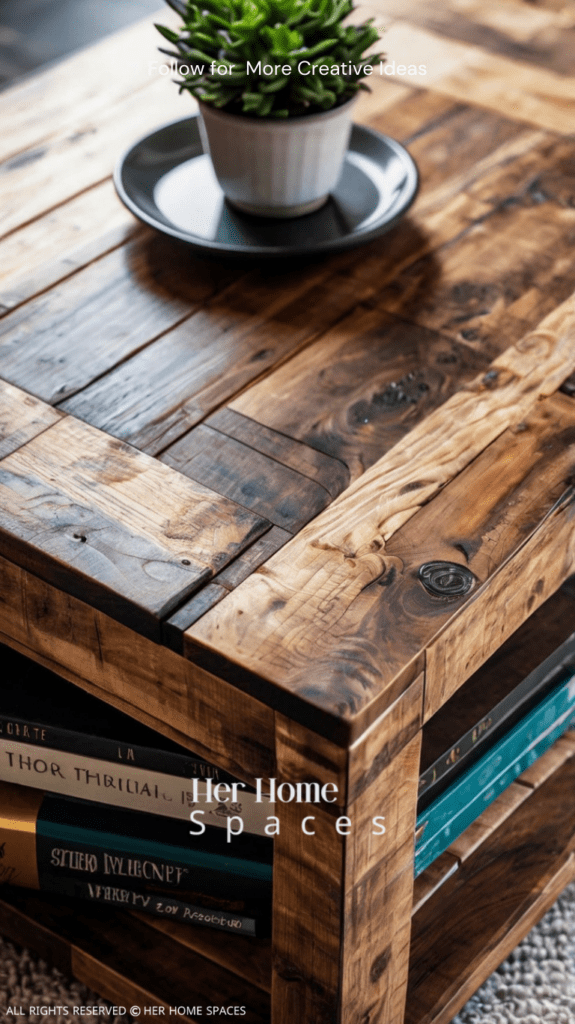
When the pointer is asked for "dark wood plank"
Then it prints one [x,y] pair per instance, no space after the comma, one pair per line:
[361,388]
[175,626]
[329,472]
[61,340]
[164,390]
[379,616]
[280,494]
[463,932]
[112,525]
[430,880]
[510,269]
[247,957]
[251,559]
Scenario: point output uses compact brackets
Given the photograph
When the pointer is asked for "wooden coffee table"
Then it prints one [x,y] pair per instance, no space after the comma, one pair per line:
[281,512]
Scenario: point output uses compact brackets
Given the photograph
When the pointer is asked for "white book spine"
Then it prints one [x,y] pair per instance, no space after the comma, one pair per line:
[138,789]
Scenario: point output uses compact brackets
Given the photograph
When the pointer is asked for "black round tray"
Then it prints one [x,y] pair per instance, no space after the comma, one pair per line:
[167,181]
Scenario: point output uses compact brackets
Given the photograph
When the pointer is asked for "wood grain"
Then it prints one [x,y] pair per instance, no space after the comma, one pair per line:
[84,85]
[164,390]
[430,880]
[326,889]
[82,154]
[524,32]
[361,388]
[141,678]
[60,341]
[509,268]
[61,242]
[327,471]
[137,549]
[468,73]
[342,554]
[535,640]
[247,957]
[22,417]
[284,496]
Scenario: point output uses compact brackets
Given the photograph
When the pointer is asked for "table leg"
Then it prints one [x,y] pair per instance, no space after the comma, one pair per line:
[342,903]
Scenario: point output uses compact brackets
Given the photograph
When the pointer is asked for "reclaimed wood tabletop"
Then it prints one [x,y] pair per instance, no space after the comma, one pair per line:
[280,511]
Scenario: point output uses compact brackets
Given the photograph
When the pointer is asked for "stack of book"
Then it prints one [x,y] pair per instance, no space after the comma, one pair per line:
[95,805]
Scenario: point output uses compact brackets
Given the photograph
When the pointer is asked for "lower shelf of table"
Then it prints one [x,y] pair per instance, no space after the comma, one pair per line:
[471,911]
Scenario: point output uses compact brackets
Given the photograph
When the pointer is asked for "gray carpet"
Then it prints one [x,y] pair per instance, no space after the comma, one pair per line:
[536,983]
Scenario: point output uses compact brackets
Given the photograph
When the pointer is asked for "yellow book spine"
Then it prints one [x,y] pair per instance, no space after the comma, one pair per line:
[19,809]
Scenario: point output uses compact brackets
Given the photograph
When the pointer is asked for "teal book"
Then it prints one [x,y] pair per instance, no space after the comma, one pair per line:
[452,812]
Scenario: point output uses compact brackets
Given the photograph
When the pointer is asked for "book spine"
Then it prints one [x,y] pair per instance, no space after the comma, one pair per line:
[33,847]
[476,789]
[119,860]
[469,746]
[156,904]
[87,778]
[127,755]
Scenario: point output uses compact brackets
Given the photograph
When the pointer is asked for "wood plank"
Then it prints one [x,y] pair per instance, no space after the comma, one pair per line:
[362,387]
[509,269]
[522,583]
[317,601]
[338,898]
[175,626]
[515,29]
[249,958]
[463,932]
[544,766]
[84,153]
[263,548]
[60,341]
[430,880]
[327,471]
[227,579]
[158,395]
[132,536]
[468,73]
[280,494]
[79,88]
[489,821]
[163,391]
[63,241]
[22,417]
[141,678]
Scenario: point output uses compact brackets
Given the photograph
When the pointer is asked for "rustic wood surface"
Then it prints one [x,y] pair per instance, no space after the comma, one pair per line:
[282,512]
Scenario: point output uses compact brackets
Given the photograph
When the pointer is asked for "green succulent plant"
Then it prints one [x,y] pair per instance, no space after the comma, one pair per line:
[270,58]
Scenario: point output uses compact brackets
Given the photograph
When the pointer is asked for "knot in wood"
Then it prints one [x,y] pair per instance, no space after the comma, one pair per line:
[446,579]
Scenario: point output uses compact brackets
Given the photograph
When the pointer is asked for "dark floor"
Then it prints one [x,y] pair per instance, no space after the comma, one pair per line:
[35,32]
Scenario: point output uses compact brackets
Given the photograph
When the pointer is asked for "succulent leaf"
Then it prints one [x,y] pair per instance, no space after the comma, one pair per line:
[240,50]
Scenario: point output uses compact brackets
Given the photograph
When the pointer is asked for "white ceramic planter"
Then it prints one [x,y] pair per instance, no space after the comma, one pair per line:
[277,168]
